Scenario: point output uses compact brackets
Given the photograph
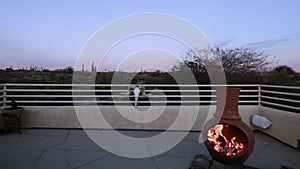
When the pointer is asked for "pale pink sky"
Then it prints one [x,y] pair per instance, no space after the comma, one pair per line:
[51,33]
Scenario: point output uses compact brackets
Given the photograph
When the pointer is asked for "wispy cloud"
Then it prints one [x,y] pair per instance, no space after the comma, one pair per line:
[267,43]
[292,39]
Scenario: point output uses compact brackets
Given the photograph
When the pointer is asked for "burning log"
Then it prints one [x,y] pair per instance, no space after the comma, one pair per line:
[224,144]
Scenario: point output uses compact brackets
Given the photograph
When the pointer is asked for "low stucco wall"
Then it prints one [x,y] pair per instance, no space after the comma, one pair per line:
[153,118]
[285,125]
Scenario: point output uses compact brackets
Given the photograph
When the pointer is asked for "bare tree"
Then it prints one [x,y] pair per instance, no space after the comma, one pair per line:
[233,60]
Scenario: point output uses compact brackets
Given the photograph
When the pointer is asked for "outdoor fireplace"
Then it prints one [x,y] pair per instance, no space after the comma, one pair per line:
[227,138]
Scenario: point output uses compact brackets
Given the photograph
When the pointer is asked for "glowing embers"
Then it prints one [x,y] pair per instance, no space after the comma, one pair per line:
[226,139]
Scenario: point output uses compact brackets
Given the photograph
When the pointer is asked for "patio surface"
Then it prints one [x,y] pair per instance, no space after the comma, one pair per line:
[73,149]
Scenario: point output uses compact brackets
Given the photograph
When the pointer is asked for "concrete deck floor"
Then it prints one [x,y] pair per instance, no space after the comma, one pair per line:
[72,149]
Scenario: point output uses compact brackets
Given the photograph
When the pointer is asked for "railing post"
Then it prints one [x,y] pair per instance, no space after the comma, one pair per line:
[4,95]
[259,95]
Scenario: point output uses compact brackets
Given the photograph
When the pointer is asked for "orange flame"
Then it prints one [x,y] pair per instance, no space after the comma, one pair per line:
[222,144]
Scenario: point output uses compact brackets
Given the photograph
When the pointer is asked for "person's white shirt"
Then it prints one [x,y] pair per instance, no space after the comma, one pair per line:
[136,92]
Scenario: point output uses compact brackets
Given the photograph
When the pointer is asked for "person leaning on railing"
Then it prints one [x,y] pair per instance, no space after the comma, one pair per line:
[137,90]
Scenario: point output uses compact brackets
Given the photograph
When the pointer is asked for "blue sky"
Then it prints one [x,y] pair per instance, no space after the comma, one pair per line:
[51,33]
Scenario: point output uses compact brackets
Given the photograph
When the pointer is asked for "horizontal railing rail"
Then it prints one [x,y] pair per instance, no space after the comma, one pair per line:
[280,97]
[274,96]
[2,94]
[108,94]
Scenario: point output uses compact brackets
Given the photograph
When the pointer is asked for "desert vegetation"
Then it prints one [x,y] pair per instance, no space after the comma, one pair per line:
[241,66]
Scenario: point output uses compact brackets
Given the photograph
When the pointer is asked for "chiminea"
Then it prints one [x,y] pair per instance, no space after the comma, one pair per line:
[227,138]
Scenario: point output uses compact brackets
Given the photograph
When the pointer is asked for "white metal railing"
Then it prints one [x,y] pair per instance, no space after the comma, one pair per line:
[2,94]
[286,97]
[61,94]
[282,97]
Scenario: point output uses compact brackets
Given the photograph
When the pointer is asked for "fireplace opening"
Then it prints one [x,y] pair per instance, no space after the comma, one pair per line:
[227,139]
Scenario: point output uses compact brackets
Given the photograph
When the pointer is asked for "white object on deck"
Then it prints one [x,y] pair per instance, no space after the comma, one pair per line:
[136,92]
[261,121]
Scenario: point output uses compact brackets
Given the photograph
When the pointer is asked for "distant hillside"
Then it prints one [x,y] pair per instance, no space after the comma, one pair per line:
[65,76]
